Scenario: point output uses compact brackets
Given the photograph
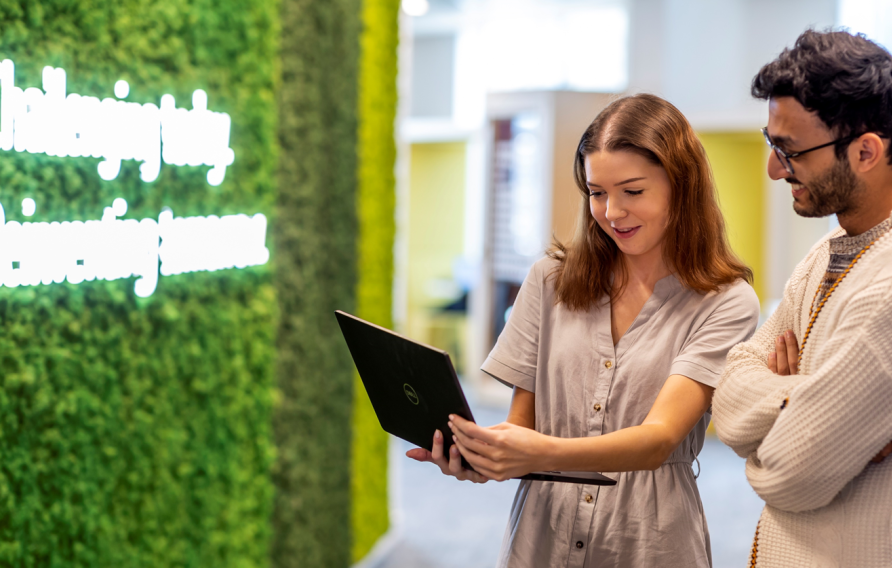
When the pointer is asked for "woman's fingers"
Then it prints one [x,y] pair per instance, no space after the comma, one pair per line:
[480,463]
[437,454]
[476,477]
[470,430]
[472,444]
[455,467]
[449,464]
[437,451]
[419,454]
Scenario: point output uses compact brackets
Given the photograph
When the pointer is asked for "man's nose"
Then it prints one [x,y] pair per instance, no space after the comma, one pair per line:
[776,169]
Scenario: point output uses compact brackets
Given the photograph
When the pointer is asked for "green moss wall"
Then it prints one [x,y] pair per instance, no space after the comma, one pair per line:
[213,423]
[136,432]
[375,204]
[334,239]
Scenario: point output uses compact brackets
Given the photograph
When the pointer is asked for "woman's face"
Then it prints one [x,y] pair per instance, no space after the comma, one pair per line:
[629,198]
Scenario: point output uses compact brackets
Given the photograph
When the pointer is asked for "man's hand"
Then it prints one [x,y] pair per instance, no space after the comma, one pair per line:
[884,453]
[785,358]
[785,361]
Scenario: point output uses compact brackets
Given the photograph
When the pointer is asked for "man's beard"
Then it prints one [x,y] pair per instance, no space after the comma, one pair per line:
[831,193]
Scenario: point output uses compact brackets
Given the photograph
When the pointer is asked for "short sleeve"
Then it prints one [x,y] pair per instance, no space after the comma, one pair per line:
[732,321]
[514,359]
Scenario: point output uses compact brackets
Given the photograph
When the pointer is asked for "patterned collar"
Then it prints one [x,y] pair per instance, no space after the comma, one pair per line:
[847,245]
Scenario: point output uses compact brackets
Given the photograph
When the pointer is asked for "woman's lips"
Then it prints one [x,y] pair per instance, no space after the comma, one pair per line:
[626,233]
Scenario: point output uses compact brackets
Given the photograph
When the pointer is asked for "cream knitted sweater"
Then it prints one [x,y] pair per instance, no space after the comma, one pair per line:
[826,504]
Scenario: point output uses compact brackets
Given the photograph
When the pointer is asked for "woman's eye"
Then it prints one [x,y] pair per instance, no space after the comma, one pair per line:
[634,191]
[595,193]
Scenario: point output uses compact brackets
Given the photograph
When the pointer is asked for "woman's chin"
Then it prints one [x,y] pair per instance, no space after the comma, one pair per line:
[627,248]
[633,249]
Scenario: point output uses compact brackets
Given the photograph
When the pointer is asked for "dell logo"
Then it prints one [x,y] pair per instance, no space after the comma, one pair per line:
[410,393]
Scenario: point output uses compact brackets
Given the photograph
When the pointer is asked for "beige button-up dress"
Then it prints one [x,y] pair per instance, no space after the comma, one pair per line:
[586,386]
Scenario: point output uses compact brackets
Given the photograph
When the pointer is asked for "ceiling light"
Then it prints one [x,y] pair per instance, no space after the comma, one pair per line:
[416,7]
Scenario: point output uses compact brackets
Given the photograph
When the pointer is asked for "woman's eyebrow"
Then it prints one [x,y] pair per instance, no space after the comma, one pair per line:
[624,182]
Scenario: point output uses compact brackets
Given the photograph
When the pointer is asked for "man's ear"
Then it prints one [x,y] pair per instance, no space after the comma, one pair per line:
[867,152]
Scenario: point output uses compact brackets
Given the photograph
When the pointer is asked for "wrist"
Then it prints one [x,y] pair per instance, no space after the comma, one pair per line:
[551,454]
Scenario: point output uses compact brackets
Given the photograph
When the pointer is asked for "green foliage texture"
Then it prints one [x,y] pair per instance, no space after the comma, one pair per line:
[137,432]
[375,200]
[316,271]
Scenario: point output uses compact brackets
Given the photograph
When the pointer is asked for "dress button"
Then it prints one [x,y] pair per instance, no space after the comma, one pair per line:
[597,408]
[579,544]
[588,498]
[608,364]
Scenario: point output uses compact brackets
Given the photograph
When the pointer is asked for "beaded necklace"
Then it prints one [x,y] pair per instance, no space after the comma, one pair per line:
[814,311]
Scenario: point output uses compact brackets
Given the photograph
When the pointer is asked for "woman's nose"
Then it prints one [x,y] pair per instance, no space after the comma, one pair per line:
[614,210]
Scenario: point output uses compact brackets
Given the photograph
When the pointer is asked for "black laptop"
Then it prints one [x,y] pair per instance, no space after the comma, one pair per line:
[414,389]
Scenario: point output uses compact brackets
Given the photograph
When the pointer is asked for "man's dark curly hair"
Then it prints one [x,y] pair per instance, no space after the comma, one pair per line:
[845,78]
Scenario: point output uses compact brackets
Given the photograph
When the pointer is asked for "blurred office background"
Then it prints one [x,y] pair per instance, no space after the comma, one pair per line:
[494,97]
[408,160]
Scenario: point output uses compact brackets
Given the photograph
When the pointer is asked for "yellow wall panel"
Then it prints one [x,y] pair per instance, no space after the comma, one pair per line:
[738,164]
[435,240]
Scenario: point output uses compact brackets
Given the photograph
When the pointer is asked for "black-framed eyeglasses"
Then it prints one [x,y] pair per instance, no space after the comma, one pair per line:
[785,157]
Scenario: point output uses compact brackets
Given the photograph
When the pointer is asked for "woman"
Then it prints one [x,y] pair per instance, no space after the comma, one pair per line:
[613,348]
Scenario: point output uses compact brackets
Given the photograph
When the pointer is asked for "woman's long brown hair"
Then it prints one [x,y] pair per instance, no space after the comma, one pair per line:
[695,246]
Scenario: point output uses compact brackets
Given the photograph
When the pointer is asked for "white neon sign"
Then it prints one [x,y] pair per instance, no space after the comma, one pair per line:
[54,123]
[111,248]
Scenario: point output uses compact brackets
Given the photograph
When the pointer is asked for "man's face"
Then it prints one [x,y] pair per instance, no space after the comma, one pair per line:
[822,184]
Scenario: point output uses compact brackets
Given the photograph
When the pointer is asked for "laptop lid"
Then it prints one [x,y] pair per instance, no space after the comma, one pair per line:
[414,388]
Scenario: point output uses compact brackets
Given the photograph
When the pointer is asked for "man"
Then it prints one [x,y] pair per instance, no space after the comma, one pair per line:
[808,401]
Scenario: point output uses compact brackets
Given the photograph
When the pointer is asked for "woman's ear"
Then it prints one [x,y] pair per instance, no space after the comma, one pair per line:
[867,152]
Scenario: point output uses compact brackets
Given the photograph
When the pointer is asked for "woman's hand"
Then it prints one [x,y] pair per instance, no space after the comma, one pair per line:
[451,466]
[784,360]
[502,451]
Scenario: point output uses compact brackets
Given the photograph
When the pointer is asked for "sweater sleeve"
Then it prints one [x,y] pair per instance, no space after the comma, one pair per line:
[837,418]
[749,396]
